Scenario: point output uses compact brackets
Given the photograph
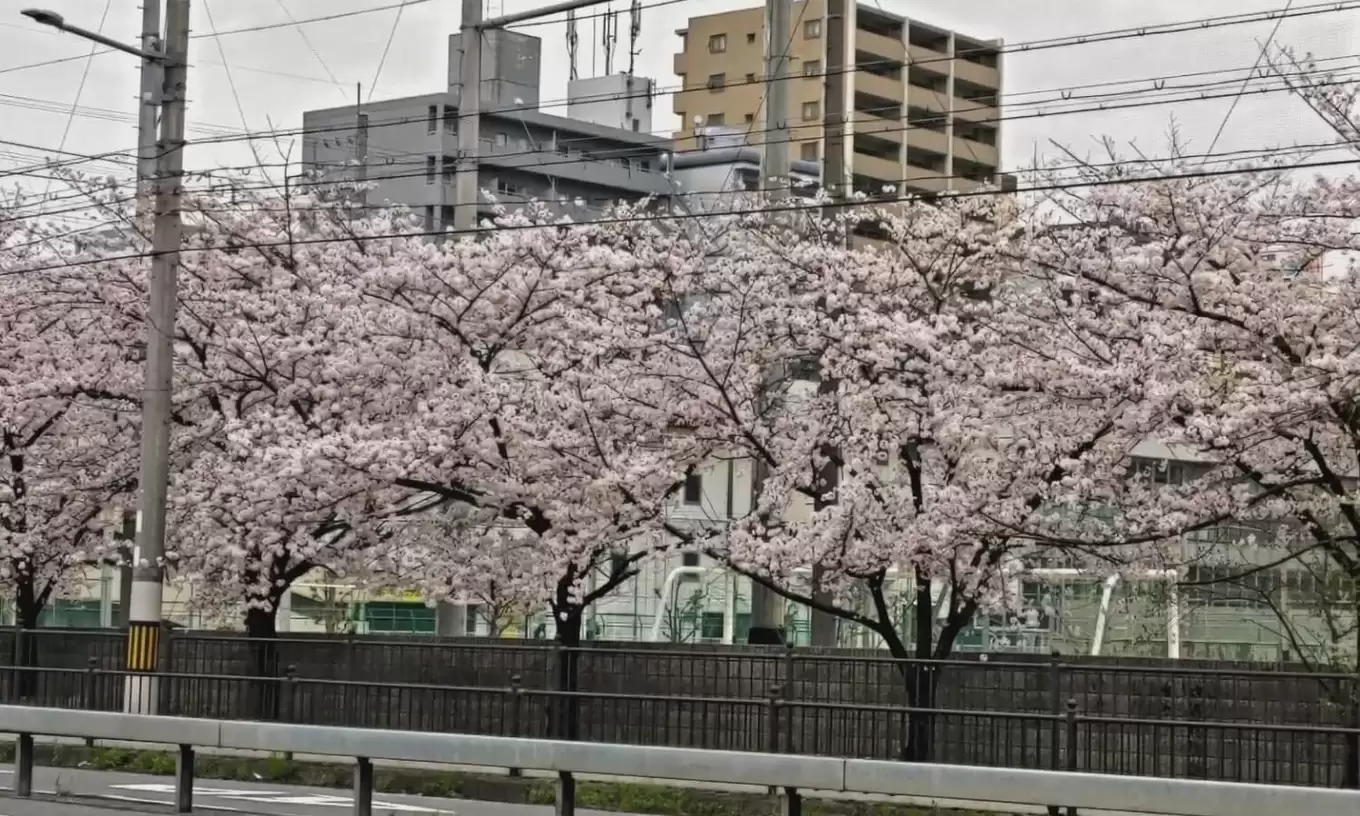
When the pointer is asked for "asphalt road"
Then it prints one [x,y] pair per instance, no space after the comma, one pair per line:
[94,792]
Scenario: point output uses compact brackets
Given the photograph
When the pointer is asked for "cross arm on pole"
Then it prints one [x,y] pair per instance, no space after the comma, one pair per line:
[533,14]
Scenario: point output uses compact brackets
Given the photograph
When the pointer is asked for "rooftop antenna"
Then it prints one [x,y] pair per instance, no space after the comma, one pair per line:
[611,39]
[634,30]
[573,40]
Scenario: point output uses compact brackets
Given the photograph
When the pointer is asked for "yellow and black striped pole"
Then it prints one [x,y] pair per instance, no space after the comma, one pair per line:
[143,642]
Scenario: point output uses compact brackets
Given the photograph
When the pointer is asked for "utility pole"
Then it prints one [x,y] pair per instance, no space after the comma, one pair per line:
[834,177]
[778,37]
[147,116]
[470,97]
[465,188]
[767,608]
[144,607]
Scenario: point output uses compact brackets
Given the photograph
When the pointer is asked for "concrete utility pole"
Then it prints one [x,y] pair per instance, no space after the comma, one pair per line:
[774,169]
[767,608]
[160,167]
[470,97]
[834,176]
[144,607]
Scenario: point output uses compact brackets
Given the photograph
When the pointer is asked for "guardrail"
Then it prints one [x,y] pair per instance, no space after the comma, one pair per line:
[1076,740]
[792,776]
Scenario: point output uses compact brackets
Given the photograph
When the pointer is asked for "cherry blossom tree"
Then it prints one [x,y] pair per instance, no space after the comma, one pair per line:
[926,416]
[527,347]
[283,367]
[67,415]
[1254,272]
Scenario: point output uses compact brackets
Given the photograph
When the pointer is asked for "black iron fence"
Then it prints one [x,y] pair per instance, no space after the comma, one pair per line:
[1076,739]
[1197,719]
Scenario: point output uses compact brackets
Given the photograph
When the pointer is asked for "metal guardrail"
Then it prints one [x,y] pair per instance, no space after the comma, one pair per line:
[1076,740]
[794,776]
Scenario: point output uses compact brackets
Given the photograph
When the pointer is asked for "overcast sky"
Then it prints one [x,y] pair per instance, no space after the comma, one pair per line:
[277,75]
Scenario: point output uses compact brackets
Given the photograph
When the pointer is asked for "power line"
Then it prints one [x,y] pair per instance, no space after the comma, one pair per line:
[1260,57]
[382,61]
[625,153]
[1090,38]
[686,216]
[308,42]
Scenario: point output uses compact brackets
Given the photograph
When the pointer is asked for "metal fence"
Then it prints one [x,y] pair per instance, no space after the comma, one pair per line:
[1194,719]
[1074,740]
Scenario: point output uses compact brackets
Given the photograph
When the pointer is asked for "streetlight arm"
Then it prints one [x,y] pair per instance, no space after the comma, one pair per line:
[49,18]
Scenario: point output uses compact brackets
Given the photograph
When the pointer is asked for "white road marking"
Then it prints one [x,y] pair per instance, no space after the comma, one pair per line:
[279,797]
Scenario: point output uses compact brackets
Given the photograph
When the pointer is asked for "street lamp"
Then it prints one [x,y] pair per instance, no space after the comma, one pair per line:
[55,20]
[160,172]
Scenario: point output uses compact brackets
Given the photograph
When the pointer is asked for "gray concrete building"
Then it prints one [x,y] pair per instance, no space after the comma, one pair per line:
[407,148]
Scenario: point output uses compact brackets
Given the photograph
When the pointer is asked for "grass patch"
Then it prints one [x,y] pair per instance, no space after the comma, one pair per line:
[618,797]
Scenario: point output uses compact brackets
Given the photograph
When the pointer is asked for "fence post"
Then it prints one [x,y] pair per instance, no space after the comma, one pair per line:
[1071,743]
[87,693]
[1056,706]
[184,780]
[773,706]
[516,695]
[23,766]
[290,701]
[555,713]
[363,786]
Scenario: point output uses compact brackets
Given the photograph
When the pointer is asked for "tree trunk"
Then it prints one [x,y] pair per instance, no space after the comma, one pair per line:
[262,644]
[568,709]
[27,609]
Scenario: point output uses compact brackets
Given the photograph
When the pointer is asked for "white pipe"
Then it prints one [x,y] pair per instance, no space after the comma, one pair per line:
[1103,614]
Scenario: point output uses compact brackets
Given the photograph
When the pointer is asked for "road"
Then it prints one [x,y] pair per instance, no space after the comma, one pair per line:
[138,794]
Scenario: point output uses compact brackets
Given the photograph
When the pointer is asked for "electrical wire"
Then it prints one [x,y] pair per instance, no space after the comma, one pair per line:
[1260,57]
[1066,97]
[382,61]
[421,163]
[308,42]
[686,216]
[1105,36]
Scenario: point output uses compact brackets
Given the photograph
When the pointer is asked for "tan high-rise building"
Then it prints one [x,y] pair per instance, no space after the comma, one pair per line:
[922,113]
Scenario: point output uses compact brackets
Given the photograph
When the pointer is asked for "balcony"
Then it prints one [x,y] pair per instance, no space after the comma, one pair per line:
[979,152]
[877,85]
[975,73]
[923,178]
[681,64]
[933,101]
[925,139]
[883,47]
[868,124]
[970,111]
[884,170]
[937,61]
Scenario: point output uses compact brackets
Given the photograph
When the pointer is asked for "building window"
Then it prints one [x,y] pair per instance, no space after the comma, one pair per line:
[812,29]
[717,43]
[750,38]
[449,166]
[689,559]
[716,119]
[508,189]
[808,151]
[432,119]
[811,110]
[694,488]
[716,81]
[430,168]
[429,218]
[750,117]
[450,119]
[502,139]
[637,126]
[812,68]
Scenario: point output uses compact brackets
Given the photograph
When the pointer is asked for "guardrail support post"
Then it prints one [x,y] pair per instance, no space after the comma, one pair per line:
[184,780]
[363,786]
[566,795]
[23,766]
[791,803]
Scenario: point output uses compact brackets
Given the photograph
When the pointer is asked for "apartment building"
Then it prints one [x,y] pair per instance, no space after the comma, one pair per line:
[922,103]
[577,164]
